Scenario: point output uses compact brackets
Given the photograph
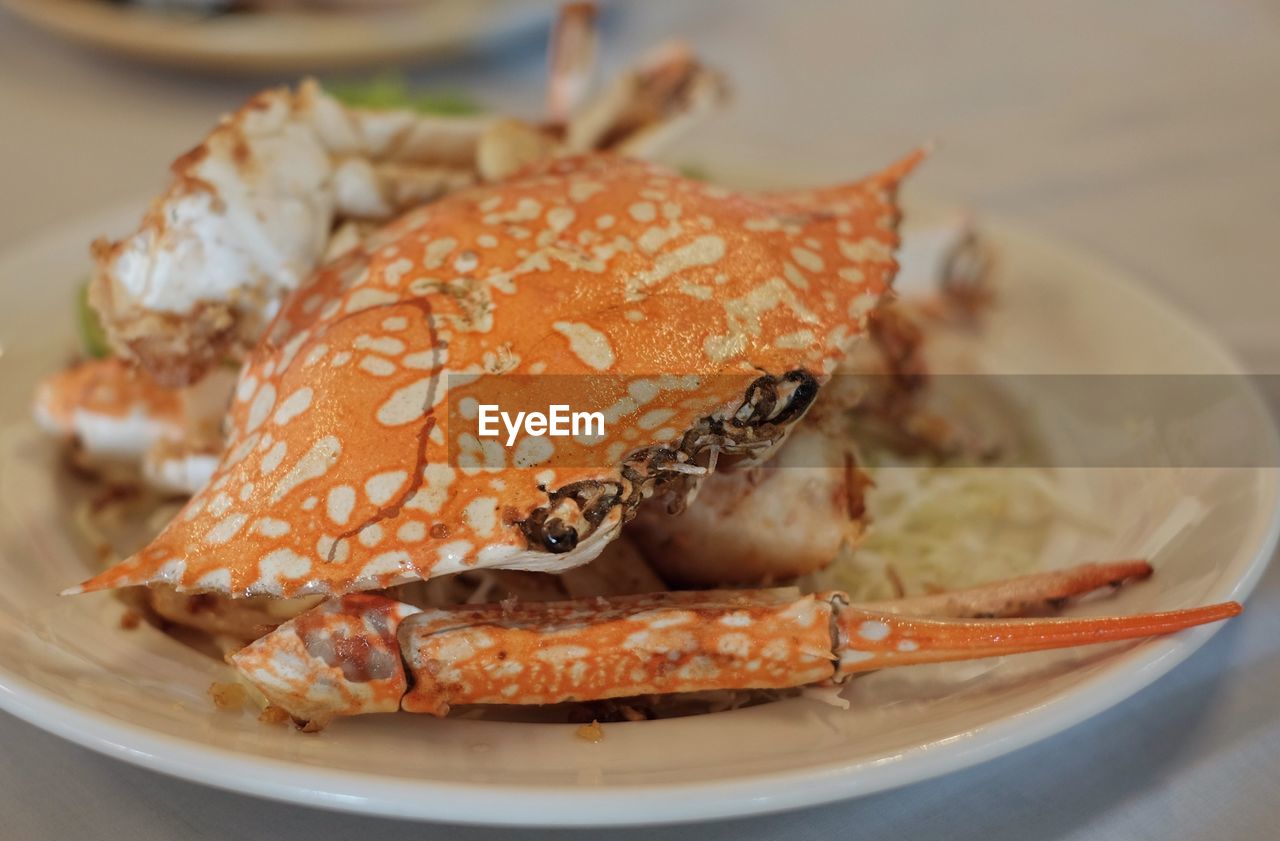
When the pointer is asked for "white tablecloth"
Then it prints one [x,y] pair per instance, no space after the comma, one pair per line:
[1147,132]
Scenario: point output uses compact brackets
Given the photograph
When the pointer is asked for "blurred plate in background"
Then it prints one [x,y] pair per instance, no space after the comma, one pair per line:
[287,41]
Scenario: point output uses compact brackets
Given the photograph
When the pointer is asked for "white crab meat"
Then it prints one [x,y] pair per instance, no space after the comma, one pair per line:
[250,210]
[775,521]
[937,256]
[174,470]
[114,413]
[111,411]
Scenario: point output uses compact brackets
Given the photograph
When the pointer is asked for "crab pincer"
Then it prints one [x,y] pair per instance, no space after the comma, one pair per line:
[664,643]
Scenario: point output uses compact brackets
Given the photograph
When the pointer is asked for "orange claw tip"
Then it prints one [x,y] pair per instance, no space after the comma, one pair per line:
[871,640]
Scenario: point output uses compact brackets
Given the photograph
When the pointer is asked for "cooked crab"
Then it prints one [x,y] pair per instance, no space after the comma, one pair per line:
[702,323]
[574,269]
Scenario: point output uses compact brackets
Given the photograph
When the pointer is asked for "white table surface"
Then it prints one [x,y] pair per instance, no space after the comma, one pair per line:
[1147,132]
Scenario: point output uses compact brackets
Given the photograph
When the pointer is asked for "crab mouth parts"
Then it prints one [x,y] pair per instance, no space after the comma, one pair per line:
[768,409]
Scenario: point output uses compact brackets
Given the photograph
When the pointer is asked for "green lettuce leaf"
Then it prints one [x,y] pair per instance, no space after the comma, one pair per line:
[392,91]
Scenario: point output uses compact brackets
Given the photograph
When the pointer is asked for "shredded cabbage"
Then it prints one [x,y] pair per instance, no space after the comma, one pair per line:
[941,528]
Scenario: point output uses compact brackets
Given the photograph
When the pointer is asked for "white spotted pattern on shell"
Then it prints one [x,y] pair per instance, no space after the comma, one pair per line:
[535,275]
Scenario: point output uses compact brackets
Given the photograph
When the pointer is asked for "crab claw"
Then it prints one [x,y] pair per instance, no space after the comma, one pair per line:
[875,639]
[345,656]
[341,658]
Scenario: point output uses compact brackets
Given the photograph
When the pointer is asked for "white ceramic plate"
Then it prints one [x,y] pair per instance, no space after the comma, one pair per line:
[289,41]
[140,696]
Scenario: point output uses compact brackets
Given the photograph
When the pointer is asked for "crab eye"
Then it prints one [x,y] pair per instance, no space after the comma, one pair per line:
[776,400]
[803,390]
[558,537]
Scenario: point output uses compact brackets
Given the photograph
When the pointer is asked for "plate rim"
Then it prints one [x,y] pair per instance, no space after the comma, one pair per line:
[1130,672]
[193,43]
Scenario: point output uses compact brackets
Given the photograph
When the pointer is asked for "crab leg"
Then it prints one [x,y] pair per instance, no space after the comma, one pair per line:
[571,61]
[644,107]
[338,659]
[867,639]
[747,640]
[1023,596]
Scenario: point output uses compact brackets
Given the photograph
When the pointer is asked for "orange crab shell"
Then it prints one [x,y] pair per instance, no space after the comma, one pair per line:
[337,474]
